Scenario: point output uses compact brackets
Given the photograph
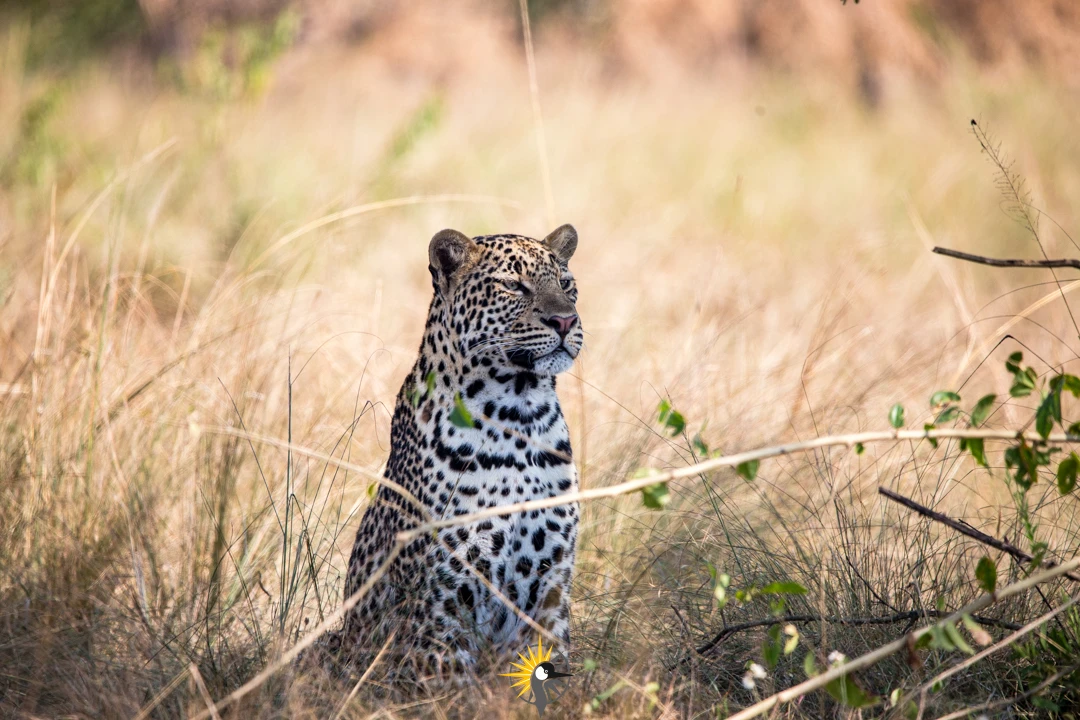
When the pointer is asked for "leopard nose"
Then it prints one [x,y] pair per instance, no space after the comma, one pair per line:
[561,324]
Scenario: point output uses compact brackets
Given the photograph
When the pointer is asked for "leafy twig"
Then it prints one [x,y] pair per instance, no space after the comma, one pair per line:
[875,656]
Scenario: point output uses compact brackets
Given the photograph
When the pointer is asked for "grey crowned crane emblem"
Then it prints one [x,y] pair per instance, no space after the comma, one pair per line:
[537,676]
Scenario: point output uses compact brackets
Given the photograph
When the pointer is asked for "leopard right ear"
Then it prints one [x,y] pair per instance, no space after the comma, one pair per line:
[448,253]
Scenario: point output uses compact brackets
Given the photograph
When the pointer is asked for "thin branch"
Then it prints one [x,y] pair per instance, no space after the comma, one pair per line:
[965,529]
[876,656]
[907,616]
[729,461]
[1008,262]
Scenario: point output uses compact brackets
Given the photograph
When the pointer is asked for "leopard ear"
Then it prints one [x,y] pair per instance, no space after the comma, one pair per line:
[448,251]
[562,242]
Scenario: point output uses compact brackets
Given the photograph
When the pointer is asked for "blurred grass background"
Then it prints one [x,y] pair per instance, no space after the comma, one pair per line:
[756,186]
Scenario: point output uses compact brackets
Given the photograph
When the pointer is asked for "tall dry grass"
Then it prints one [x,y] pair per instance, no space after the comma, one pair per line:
[197,373]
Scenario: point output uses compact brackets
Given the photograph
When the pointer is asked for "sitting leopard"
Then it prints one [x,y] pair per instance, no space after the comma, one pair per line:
[502,324]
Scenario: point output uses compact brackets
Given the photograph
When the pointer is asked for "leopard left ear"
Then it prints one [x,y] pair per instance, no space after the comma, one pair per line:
[562,242]
[448,252]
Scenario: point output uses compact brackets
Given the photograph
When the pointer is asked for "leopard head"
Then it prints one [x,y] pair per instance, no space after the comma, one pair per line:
[508,300]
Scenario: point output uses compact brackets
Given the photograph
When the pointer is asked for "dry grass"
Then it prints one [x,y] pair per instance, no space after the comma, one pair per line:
[753,248]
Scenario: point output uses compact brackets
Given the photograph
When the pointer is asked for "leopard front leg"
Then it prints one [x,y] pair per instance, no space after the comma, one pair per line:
[555,571]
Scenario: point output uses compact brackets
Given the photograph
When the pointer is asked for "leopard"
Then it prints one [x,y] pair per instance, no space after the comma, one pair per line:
[477,424]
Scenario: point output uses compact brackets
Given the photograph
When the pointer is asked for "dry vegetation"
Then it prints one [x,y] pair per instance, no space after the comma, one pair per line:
[192,274]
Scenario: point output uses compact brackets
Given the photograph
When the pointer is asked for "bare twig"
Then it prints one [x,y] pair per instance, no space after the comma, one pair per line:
[965,529]
[907,616]
[876,656]
[1008,262]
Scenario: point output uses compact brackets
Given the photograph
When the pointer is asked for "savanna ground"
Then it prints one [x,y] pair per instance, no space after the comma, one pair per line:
[196,275]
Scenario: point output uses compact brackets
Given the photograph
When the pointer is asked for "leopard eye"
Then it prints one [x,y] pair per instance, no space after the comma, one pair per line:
[567,284]
[516,287]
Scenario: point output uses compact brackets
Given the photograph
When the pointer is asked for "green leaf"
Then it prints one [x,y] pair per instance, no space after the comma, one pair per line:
[859,448]
[958,639]
[671,418]
[1026,461]
[700,446]
[939,639]
[981,411]
[1067,472]
[1024,383]
[1071,383]
[941,397]
[845,691]
[771,647]
[932,440]
[1074,429]
[809,665]
[783,588]
[896,416]
[589,665]
[460,416]
[986,574]
[1049,408]
[748,469]
[978,452]
[655,497]
[947,415]
[1013,363]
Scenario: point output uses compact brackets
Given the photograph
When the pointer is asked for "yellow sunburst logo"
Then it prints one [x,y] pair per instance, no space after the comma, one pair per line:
[527,665]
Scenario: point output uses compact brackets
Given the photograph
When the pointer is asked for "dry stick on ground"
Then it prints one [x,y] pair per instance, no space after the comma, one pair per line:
[872,658]
[966,529]
[872,620]
[1008,262]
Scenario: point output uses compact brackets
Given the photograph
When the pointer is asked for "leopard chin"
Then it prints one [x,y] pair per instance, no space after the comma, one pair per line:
[557,361]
